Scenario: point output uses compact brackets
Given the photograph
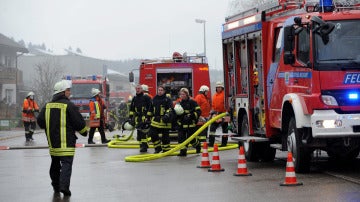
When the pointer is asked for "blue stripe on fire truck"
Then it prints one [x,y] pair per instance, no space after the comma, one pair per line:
[352,78]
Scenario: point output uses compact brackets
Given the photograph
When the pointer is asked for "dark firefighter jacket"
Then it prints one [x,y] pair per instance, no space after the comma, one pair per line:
[162,105]
[191,114]
[140,108]
[61,118]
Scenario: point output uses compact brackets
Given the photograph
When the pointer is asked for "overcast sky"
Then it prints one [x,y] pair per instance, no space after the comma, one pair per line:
[118,29]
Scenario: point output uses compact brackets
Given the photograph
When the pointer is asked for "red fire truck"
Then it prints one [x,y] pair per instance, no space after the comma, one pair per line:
[292,77]
[81,91]
[174,73]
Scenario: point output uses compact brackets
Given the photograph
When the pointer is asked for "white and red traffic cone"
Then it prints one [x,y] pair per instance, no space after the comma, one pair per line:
[242,168]
[215,166]
[205,162]
[290,178]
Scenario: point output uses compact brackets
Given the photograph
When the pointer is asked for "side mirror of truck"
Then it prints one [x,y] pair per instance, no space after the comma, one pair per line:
[131,77]
[289,58]
[289,35]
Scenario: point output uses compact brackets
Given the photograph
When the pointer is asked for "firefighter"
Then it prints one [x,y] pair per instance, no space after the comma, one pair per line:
[218,107]
[161,120]
[29,108]
[203,101]
[188,113]
[97,117]
[61,118]
[139,116]
[146,90]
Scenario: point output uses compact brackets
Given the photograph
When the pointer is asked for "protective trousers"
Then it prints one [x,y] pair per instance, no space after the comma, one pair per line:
[60,172]
[224,138]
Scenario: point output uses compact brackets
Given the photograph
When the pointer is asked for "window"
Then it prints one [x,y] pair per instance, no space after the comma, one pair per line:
[277,46]
[303,46]
[9,95]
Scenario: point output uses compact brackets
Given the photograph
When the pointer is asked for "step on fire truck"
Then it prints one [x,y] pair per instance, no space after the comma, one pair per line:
[174,73]
[81,92]
[292,75]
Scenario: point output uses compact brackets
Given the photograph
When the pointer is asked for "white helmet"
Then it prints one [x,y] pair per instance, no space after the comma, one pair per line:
[145,87]
[203,88]
[219,84]
[30,94]
[127,126]
[61,86]
[94,92]
[178,109]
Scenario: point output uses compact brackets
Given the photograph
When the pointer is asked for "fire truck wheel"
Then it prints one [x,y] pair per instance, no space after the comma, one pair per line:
[251,148]
[301,155]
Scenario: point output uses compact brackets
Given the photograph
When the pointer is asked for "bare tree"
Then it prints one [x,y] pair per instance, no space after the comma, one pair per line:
[48,72]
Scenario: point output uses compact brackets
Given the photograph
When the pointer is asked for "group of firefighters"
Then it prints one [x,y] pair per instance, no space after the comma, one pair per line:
[155,115]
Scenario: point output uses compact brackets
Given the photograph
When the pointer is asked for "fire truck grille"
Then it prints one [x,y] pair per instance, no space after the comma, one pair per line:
[342,96]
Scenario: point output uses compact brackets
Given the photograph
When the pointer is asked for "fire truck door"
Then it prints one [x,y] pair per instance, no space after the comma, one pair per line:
[256,88]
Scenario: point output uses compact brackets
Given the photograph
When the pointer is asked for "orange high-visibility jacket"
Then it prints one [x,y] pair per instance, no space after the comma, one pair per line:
[97,107]
[29,107]
[204,104]
[218,104]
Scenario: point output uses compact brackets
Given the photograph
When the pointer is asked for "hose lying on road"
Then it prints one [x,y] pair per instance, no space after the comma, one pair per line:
[148,157]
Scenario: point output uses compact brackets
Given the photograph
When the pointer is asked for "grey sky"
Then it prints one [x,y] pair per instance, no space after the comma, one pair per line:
[118,29]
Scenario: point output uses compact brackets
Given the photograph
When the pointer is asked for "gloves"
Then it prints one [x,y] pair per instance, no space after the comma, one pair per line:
[84,133]
[187,118]
[166,118]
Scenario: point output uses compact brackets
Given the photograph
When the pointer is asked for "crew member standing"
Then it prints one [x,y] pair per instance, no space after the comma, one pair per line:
[29,108]
[161,121]
[203,101]
[139,116]
[218,107]
[97,117]
[61,118]
[188,112]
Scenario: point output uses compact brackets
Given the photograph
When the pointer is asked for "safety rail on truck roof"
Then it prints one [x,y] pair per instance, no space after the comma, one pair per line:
[186,58]
[267,7]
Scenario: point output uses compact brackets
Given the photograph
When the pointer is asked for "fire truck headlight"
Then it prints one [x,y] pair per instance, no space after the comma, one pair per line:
[328,123]
[329,100]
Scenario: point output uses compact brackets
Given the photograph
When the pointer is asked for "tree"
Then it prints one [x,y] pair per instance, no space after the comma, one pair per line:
[48,72]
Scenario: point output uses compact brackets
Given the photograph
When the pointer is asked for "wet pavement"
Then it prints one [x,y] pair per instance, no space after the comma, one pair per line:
[101,174]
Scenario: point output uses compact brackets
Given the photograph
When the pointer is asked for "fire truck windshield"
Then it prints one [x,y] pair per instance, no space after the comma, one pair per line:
[83,90]
[342,49]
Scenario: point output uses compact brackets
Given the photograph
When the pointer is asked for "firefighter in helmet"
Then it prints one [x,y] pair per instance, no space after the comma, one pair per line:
[218,107]
[29,108]
[161,121]
[97,116]
[203,101]
[139,116]
[188,113]
[146,90]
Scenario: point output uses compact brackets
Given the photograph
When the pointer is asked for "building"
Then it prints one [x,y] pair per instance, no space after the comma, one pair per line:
[10,77]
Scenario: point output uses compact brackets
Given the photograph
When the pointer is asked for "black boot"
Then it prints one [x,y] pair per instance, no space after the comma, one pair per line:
[198,148]
[157,149]
[211,140]
[143,147]
[183,152]
[104,140]
[224,141]
[90,140]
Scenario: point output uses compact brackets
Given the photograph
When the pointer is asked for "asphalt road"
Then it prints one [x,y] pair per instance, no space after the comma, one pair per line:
[101,174]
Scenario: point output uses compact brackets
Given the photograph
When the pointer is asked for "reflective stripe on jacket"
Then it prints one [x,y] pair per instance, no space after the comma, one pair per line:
[61,118]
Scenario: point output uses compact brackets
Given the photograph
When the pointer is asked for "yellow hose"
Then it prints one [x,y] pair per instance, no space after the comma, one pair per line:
[148,157]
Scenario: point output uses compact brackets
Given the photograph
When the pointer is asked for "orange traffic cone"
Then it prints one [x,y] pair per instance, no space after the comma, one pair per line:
[205,162]
[290,178]
[242,169]
[216,167]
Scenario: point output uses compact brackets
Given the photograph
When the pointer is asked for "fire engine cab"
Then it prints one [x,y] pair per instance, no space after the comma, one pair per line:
[292,79]
[174,73]
[81,91]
